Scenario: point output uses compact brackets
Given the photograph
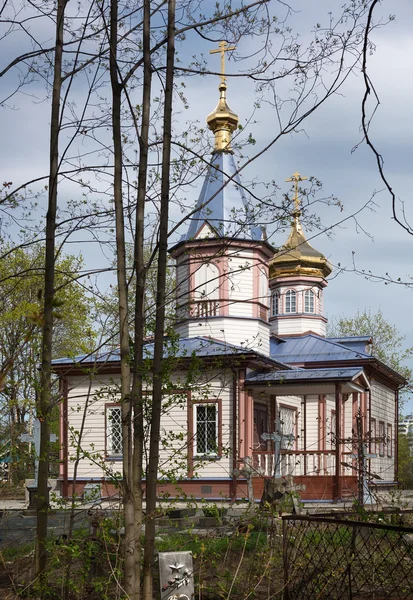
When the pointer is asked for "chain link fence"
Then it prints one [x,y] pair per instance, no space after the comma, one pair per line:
[348,558]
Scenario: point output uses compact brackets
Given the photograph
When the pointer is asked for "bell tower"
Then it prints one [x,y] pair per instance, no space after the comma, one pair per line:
[222,260]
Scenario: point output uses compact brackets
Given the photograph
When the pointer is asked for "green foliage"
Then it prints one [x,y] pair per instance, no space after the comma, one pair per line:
[387,340]
[405,463]
[21,319]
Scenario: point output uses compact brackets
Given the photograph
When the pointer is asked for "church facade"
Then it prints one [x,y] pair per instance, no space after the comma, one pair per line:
[257,389]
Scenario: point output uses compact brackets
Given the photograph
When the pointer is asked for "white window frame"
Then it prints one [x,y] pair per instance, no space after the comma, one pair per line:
[290,299]
[275,304]
[110,453]
[214,452]
[309,302]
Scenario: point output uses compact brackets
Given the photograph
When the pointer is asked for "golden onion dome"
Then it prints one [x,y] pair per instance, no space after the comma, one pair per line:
[297,256]
[222,121]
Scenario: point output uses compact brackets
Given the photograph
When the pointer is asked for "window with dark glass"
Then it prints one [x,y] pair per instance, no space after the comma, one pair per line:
[309,301]
[290,301]
[276,304]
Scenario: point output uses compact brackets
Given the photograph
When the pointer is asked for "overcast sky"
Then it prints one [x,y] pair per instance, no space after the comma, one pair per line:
[322,149]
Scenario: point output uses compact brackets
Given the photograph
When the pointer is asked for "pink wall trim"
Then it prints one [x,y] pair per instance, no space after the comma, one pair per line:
[241,415]
[249,423]
[322,422]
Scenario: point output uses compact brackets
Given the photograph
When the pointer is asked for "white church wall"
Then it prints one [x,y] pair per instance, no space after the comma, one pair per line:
[383,413]
[312,422]
[215,388]
[249,333]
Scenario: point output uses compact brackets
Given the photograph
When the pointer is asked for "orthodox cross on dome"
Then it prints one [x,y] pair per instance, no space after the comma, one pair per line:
[296,177]
[223,47]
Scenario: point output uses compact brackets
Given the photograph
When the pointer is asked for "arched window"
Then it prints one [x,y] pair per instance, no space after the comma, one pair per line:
[275,304]
[290,301]
[207,282]
[309,301]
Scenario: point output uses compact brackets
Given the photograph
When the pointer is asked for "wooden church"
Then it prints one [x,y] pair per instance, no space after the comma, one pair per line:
[269,395]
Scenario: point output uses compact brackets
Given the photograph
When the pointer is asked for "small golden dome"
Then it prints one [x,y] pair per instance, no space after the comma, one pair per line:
[298,257]
[222,121]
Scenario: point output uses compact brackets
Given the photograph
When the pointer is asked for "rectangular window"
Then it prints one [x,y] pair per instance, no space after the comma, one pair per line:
[290,301]
[389,441]
[114,446]
[206,429]
[309,302]
[288,417]
[381,438]
[373,434]
[275,300]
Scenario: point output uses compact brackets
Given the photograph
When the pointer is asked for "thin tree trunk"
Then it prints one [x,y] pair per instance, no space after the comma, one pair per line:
[152,471]
[128,508]
[44,402]
[137,388]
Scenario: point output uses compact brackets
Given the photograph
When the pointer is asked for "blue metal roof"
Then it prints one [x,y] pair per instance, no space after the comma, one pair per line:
[301,375]
[357,343]
[312,348]
[223,203]
[181,348]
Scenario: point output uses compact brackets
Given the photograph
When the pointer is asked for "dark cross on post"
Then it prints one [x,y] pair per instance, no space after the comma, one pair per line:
[278,437]
[35,439]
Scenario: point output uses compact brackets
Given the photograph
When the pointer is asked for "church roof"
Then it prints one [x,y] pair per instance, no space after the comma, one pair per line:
[347,373]
[223,204]
[312,348]
[298,257]
[199,346]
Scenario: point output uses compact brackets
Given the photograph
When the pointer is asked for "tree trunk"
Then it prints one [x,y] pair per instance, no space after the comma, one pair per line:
[44,401]
[128,508]
[137,388]
[152,471]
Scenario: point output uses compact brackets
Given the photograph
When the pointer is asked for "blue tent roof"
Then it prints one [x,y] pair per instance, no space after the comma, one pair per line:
[312,348]
[223,203]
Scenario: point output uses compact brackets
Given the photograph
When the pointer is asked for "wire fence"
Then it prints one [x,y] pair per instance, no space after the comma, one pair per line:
[348,558]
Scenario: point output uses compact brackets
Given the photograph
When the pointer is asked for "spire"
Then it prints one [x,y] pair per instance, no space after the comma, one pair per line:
[222,121]
[297,256]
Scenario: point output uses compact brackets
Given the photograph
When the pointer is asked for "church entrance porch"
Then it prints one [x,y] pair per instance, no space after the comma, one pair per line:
[303,428]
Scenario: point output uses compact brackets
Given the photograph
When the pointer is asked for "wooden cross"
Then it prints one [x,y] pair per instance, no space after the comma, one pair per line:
[296,177]
[35,438]
[278,437]
[223,47]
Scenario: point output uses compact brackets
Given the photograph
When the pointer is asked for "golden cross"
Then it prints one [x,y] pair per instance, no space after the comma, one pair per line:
[296,177]
[223,47]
